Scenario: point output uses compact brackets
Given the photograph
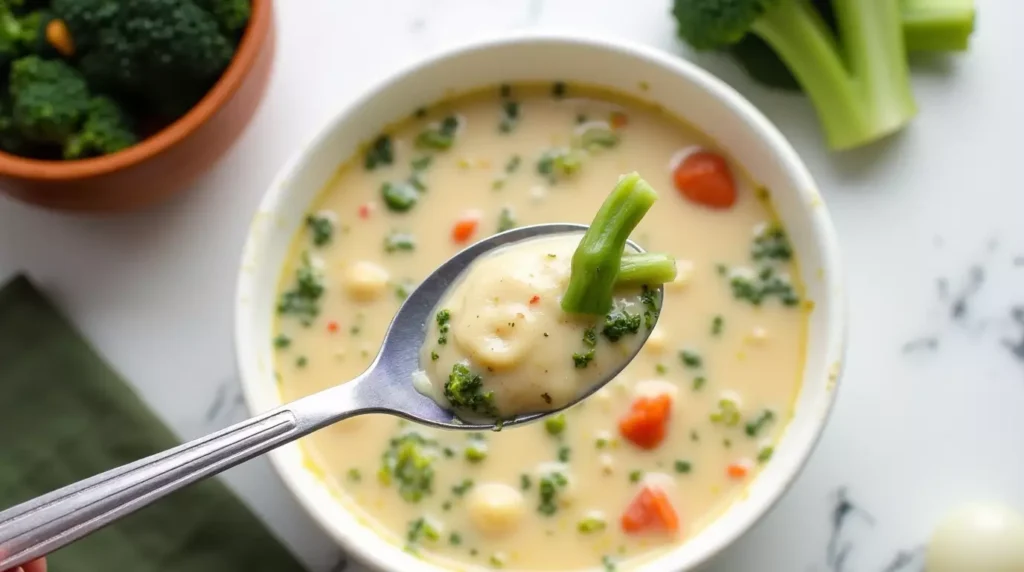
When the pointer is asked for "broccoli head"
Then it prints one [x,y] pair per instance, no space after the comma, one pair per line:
[464,390]
[106,130]
[231,15]
[409,463]
[49,99]
[858,80]
[167,53]
[21,33]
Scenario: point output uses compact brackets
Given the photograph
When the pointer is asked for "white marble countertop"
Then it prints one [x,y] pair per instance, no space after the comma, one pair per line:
[929,413]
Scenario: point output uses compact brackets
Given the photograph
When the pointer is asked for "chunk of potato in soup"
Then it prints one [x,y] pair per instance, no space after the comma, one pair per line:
[627,474]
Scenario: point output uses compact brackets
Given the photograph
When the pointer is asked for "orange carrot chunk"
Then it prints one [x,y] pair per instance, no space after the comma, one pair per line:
[650,510]
[465,227]
[645,425]
[737,470]
[704,178]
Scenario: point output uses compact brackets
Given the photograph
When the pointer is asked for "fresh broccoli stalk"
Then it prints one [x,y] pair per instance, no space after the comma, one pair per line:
[928,26]
[937,25]
[647,268]
[464,390]
[859,84]
[106,130]
[49,98]
[596,262]
[165,53]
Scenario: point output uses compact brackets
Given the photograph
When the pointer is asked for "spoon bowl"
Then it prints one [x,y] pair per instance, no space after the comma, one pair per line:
[42,525]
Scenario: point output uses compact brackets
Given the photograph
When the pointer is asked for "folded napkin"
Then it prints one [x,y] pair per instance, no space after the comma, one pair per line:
[65,415]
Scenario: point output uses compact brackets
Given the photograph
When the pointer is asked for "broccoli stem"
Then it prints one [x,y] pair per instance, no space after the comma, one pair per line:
[597,259]
[863,98]
[650,268]
[937,25]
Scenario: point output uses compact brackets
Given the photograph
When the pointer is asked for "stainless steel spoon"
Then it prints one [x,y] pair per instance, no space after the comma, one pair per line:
[42,525]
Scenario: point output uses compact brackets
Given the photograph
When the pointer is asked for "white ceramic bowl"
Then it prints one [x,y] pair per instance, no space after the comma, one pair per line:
[679,87]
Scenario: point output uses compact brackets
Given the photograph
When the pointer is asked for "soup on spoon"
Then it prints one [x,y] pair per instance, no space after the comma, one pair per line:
[537,325]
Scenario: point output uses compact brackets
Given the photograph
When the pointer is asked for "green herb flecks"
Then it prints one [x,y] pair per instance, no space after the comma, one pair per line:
[683,466]
[717,324]
[525,482]
[462,488]
[757,424]
[765,454]
[506,220]
[635,476]
[322,228]
[509,116]
[421,163]
[438,137]
[421,530]
[464,391]
[303,299]
[691,359]
[699,382]
[608,564]
[443,318]
[649,298]
[354,475]
[564,453]
[282,342]
[379,154]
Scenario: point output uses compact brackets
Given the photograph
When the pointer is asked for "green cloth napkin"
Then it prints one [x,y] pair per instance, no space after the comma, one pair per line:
[65,415]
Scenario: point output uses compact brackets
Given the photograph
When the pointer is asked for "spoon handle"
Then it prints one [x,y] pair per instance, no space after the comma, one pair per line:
[42,525]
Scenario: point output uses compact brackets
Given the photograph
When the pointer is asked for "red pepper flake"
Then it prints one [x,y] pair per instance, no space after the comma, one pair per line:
[332,326]
[364,210]
[535,299]
[619,120]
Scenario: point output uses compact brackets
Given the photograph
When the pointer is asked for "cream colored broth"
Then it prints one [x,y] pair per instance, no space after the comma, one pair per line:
[503,323]
[755,358]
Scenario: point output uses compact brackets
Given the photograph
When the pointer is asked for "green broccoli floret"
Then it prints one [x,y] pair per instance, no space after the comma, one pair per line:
[619,323]
[49,98]
[106,130]
[11,140]
[21,34]
[464,390]
[167,53]
[858,83]
[231,15]
[409,463]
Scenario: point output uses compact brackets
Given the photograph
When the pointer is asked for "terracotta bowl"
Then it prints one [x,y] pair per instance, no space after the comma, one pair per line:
[164,163]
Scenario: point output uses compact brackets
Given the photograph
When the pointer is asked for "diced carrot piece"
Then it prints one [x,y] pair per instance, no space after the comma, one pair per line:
[534,299]
[619,120]
[364,211]
[646,423]
[59,38]
[332,326]
[650,510]
[737,470]
[705,178]
[465,227]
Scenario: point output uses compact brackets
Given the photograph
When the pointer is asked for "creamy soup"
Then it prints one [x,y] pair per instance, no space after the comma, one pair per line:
[627,474]
[502,346]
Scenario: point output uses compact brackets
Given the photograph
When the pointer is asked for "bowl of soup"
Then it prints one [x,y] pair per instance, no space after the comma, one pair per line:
[666,465]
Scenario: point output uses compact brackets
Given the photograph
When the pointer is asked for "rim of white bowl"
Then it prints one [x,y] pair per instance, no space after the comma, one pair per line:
[385,555]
